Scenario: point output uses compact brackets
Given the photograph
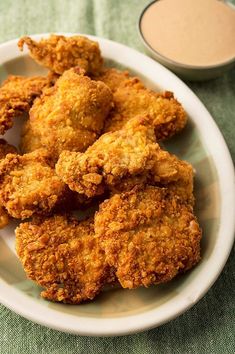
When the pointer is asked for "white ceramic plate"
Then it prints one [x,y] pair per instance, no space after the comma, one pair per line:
[118,311]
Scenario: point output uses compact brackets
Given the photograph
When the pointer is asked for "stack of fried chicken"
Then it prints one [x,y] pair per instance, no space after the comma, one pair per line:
[92,138]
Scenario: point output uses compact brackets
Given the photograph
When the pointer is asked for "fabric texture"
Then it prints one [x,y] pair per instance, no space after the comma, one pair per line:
[209,327]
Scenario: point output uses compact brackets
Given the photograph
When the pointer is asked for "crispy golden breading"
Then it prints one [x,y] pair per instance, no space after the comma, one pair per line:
[5,149]
[167,171]
[69,115]
[30,141]
[59,53]
[29,185]
[119,160]
[52,77]
[111,158]
[63,256]
[168,116]
[132,98]
[175,174]
[17,94]
[148,235]
[4,218]
[113,78]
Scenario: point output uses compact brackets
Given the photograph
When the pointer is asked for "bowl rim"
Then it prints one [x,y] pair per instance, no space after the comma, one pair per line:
[208,130]
[172,62]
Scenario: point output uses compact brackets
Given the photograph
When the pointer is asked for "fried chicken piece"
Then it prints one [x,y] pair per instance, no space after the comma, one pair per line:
[112,157]
[69,115]
[132,98]
[17,94]
[63,256]
[122,159]
[149,236]
[59,53]
[29,185]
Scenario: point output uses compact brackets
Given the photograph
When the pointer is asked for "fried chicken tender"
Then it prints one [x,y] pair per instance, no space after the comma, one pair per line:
[5,149]
[132,98]
[17,94]
[29,185]
[149,236]
[69,115]
[63,256]
[112,157]
[122,159]
[59,53]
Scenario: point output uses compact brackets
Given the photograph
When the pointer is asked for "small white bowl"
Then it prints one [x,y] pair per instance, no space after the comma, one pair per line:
[186,72]
[118,311]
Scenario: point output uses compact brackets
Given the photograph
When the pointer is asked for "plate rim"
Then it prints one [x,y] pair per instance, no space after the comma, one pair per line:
[17,302]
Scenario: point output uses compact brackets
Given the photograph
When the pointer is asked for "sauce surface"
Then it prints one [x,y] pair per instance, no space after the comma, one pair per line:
[193,32]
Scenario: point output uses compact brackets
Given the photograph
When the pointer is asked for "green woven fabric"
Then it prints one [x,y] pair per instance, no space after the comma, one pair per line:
[209,326]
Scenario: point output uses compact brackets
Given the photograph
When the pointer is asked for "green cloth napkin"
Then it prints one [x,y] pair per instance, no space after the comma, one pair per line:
[209,326]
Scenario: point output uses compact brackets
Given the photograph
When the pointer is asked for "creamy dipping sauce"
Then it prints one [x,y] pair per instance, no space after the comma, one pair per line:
[192,32]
